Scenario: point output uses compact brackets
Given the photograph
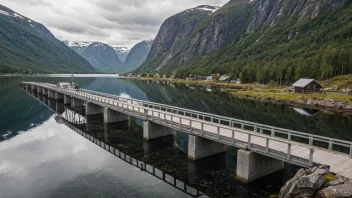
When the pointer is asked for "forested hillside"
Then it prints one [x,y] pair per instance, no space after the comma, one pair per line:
[319,48]
[28,47]
[265,41]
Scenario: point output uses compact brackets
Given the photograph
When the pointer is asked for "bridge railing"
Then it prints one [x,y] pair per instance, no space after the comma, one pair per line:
[306,138]
[310,139]
[189,125]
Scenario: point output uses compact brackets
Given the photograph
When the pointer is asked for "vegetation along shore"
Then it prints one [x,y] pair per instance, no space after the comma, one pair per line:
[334,96]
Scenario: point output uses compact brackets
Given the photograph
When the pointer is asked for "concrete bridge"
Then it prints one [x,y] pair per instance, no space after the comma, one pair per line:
[71,118]
[260,145]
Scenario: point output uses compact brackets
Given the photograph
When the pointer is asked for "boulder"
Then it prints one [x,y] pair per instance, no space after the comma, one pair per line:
[338,180]
[305,183]
[337,191]
[302,186]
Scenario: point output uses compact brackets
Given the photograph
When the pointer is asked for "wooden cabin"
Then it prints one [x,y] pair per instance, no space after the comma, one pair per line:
[305,85]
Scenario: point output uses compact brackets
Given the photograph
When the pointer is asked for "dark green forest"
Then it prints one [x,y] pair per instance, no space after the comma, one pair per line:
[30,48]
[319,48]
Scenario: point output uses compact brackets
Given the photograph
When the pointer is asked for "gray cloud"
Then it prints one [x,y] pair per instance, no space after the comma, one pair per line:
[116,22]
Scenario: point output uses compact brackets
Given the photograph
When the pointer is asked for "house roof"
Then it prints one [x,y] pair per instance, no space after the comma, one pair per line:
[302,82]
[224,77]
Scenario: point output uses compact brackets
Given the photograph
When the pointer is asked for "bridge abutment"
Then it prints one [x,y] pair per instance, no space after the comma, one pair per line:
[199,147]
[93,109]
[252,166]
[67,99]
[152,130]
[77,102]
[59,96]
[111,116]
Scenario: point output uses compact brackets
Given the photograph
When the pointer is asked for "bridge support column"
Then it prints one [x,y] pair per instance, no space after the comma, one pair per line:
[59,96]
[67,99]
[93,109]
[39,90]
[60,108]
[77,102]
[152,130]
[51,94]
[33,87]
[252,166]
[199,147]
[111,116]
[45,92]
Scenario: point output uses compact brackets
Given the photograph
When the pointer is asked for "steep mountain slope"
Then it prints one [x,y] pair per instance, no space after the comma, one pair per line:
[174,32]
[121,52]
[28,47]
[78,47]
[137,55]
[287,40]
[262,41]
[103,57]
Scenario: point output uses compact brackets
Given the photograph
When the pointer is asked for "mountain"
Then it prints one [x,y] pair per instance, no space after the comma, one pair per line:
[103,57]
[173,34]
[121,52]
[257,40]
[29,47]
[78,47]
[137,55]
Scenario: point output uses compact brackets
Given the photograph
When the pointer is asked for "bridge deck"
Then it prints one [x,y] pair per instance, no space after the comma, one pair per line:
[278,144]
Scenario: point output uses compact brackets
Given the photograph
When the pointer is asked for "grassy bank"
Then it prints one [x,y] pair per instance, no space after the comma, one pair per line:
[336,101]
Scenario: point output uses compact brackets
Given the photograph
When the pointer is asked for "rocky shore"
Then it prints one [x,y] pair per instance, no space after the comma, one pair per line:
[317,182]
[328,104]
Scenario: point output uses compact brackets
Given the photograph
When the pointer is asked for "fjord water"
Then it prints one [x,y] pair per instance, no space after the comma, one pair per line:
[42,158]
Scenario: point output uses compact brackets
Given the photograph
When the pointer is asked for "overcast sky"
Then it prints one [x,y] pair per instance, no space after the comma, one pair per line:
[116,22]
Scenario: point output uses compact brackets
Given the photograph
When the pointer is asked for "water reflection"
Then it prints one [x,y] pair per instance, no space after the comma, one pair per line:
[213,176]
[41,158]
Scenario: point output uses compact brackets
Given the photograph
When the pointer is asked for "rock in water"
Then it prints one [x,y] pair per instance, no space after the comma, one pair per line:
[317,182]
[305,183]
[337,191]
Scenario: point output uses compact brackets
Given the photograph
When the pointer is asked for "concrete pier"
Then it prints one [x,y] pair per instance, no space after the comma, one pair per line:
[51,94]
[252,166]
[152,130]
[111,116]
[45,92]
[60,108]
[39,90]
[59,96]
[75,102]
[93,109]
[199,147]
[67,99]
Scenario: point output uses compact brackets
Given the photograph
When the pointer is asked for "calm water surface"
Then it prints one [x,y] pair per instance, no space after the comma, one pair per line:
[42,158]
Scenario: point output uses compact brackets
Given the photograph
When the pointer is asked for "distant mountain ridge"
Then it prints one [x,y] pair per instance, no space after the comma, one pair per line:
[101,57]
[121,52]
[137,55]
[29,47]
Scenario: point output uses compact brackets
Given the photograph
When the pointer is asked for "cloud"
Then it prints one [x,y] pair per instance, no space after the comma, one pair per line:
[116,22]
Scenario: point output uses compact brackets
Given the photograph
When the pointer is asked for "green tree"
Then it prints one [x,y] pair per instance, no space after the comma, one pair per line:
[325,71]
[343,60]
[288,74]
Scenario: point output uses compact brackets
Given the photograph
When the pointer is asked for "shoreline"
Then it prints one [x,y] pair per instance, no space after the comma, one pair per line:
[331,102]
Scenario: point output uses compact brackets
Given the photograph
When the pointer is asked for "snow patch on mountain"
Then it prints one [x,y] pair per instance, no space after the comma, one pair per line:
[121,49]
[11,14]
[78,43]
[204,8]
